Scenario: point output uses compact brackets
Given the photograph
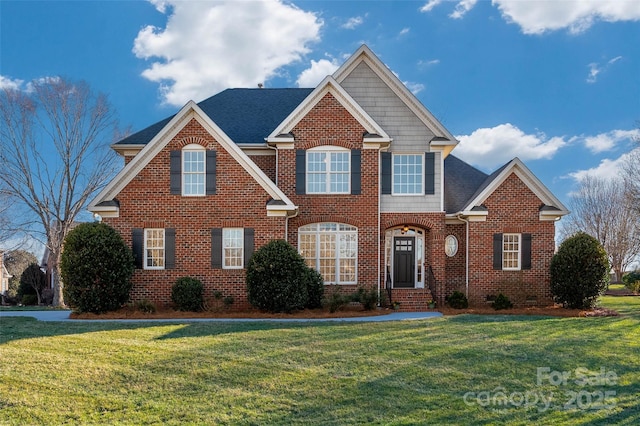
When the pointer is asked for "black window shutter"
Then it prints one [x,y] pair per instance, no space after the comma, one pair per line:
[356,160]
[301,162]
[497,251]
[429,173]
[175,166]
[386,172]
[169,248]
[526,251]
[137,246]
[216,248]
[211,173]
[248,245]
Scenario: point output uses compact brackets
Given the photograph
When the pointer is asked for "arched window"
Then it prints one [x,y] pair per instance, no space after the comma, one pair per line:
[332,250]
[193,170]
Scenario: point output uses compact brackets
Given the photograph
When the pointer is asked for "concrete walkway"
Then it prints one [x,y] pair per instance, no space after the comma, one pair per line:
[62,315]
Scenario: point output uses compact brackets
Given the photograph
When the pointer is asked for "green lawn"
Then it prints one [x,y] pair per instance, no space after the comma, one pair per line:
[452,370]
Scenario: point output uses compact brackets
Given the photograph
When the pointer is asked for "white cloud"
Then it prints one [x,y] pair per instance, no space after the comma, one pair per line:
[415,88]
[316,73]
[353,23]
[595,69]
[9,83]
[607,141]
[538,17]
[462,8]
[606,169]
[490,147]
[404,31]
[209,46]
[426,64]
[428,7]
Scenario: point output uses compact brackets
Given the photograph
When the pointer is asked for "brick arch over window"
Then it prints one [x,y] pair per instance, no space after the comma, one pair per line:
[419,223]
[329,142]
[193,140]
[328,218]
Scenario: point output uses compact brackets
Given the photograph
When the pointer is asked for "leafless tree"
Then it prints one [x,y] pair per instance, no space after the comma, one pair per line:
[603,209]
[631,174]
[54,155]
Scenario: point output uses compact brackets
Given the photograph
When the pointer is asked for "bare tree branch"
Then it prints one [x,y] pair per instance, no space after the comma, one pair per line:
[54,152]
[603,209]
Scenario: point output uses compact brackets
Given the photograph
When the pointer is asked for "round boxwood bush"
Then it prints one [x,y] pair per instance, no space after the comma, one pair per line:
[501,302]
[277,278]
[579,272]
[96,268]
[457,300]
[187,294]
[632,281]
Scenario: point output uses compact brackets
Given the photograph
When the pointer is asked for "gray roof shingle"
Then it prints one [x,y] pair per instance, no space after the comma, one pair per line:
[245,115]
[461,183]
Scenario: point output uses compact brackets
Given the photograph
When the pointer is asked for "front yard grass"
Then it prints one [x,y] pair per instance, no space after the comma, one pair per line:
[451,370]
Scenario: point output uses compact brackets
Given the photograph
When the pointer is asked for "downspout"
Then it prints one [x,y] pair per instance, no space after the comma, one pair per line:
[466,260]
[286,218]
[379,220]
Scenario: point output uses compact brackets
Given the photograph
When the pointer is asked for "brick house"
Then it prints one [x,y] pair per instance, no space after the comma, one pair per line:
[356,173]
[4,276]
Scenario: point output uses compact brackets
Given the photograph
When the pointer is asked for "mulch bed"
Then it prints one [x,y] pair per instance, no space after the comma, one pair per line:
[555,311]
[168,313]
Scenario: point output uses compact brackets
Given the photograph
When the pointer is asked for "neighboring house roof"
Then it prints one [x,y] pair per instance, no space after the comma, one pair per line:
[245,115]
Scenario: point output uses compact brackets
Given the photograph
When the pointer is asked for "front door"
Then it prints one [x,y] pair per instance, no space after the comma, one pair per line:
[404,257]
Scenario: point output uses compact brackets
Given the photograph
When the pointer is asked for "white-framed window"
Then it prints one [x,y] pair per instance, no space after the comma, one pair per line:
[328,170]
[511,252]
[408,174]
[331,249]
[193,170]
[154,248]
[232,248]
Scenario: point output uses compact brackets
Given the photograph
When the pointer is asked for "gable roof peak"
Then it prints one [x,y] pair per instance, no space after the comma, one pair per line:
[365,55]
[331,86]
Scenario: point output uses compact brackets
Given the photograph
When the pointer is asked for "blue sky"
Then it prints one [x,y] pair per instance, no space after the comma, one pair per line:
[556,83]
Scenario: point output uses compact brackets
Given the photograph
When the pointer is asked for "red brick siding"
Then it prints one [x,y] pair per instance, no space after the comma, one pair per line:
[329,123]
[239,202]
[266,163]
[513,208]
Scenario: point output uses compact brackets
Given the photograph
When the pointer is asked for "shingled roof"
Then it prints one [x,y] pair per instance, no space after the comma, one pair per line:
[461,182]
[245,115]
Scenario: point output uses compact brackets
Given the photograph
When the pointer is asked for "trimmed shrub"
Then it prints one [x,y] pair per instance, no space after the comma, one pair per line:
[336,301]
[457,300]
[277,278]
[368,298]
[187,294]
[632,281]
[145,306]
[501,302]
[579,272]
[96,268]
[315,288]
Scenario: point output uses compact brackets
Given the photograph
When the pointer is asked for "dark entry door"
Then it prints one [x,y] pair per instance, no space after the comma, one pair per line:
[404,255]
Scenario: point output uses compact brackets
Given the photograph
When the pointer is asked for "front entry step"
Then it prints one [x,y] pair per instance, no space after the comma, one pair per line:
[412,299]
